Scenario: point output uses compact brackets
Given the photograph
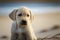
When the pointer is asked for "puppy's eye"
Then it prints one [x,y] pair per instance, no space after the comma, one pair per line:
[27,15]
[19,14]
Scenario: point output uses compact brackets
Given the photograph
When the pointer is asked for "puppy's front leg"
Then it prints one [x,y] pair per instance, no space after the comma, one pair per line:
[30,35]
[14,36]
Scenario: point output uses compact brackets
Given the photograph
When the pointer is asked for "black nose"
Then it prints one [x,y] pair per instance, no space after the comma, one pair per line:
[23,22]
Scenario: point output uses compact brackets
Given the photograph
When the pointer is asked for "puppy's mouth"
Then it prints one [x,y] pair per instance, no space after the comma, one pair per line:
[23,23]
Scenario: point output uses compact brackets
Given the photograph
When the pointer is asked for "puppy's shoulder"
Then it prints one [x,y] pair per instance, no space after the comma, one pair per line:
[13,26]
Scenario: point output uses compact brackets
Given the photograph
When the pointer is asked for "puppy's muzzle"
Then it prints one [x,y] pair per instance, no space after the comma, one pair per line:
[23,22]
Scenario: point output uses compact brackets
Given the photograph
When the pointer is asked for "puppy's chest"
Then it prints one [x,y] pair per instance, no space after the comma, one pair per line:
[20,30]
[21,34]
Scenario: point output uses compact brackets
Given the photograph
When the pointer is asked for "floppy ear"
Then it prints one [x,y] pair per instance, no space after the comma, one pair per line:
[12,15]
[31,16]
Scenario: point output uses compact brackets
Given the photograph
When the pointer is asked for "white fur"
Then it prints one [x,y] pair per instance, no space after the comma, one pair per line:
[28,28]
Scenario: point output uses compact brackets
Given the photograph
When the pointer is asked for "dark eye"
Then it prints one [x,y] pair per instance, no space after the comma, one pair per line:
[27,15]
[19,14]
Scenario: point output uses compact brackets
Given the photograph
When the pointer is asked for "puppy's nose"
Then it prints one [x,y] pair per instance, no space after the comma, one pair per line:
[24,22]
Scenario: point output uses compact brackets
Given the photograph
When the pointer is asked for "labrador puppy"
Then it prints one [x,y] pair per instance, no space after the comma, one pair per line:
[21,26]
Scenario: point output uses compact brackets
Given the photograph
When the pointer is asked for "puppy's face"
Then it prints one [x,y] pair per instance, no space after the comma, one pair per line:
[22,16]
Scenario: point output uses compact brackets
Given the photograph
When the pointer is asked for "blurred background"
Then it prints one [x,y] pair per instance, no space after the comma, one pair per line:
[46,12]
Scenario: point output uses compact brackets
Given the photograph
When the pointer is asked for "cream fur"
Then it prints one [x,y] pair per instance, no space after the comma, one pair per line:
[27,29]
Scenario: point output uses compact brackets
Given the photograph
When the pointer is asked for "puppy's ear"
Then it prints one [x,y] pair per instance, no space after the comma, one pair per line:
[31,15]
[12,15]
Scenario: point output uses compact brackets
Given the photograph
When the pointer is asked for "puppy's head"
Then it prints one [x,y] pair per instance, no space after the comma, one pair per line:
[22,16]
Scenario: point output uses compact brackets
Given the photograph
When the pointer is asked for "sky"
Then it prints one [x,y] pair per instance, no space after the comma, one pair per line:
[6,8]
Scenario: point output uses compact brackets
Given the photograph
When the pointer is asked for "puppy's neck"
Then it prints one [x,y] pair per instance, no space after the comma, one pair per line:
[24,29]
